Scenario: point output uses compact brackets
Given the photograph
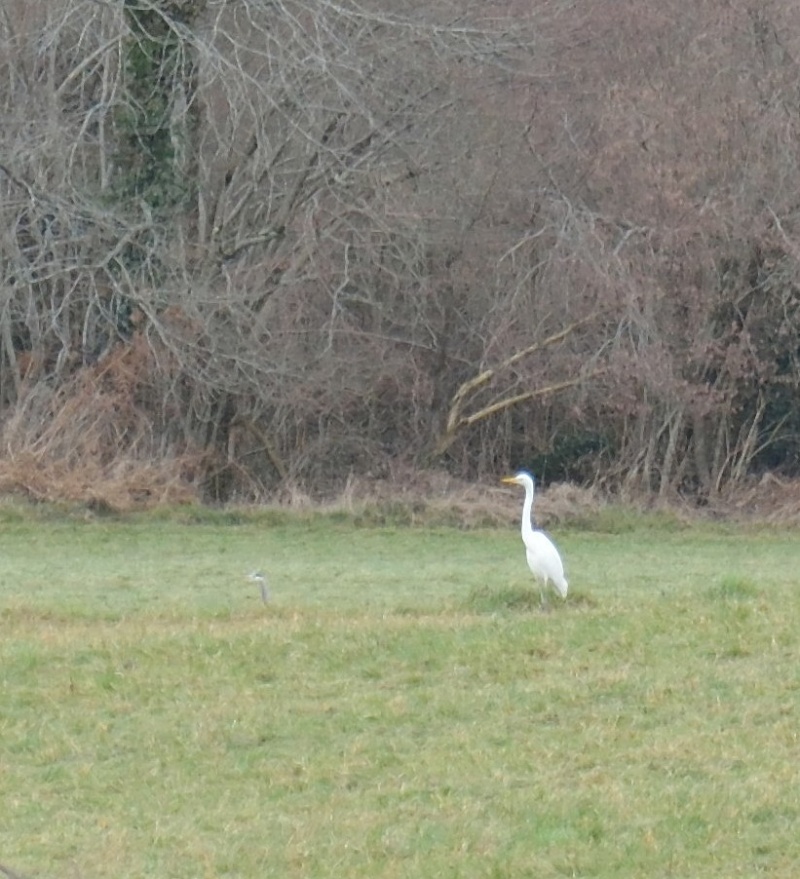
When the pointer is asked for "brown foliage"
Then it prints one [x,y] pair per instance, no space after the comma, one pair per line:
[92,440]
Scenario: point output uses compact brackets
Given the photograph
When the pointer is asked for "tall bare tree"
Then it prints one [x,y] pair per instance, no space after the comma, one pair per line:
[246,220]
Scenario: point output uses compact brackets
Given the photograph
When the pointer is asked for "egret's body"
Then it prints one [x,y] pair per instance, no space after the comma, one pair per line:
[543,558]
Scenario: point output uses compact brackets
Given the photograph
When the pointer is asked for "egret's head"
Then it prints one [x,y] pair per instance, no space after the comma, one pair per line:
[522,478]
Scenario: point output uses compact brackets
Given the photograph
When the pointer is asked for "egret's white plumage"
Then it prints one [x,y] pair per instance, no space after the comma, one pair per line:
[543,558]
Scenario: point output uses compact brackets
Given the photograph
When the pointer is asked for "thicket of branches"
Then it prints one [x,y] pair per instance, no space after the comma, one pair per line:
[248,243]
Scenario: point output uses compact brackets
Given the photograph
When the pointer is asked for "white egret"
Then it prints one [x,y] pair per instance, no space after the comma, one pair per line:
[543,558]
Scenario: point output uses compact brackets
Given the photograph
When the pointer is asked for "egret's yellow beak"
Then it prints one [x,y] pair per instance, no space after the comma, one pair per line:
[509,480]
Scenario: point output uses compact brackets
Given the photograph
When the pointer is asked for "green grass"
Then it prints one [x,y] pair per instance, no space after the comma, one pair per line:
[402,708]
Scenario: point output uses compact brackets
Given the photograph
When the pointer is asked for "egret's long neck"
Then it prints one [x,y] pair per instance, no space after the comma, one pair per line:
[527,509]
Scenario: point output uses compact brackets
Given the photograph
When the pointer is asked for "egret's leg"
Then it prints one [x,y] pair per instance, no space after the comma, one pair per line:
[543,597]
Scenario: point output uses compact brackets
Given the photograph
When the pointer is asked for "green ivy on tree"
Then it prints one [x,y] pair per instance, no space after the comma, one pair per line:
[154,124]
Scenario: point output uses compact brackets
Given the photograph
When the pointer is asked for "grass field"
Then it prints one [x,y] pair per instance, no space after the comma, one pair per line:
[402,707]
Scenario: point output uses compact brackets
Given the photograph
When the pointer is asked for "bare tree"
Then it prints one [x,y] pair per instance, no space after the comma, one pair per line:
[261,192]
[249,243]
[680,157]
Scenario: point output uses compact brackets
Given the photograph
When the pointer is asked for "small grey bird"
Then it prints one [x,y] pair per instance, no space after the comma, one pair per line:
[261,578]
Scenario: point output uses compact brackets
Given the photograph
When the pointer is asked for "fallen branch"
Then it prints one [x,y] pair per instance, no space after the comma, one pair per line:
[449,436]
[457,420]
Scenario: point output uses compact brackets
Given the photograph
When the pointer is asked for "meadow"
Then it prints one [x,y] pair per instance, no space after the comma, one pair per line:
[402,707]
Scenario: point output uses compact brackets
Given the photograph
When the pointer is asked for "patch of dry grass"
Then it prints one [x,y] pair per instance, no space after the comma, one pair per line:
[92,441]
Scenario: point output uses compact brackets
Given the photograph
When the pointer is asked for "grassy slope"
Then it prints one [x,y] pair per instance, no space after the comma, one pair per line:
[400,709]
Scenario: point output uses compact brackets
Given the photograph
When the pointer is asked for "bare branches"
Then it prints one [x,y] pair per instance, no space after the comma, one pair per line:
[456,419]
[236,187]
[311,219]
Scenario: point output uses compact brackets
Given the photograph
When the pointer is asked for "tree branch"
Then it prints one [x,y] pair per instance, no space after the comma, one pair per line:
[456,420]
